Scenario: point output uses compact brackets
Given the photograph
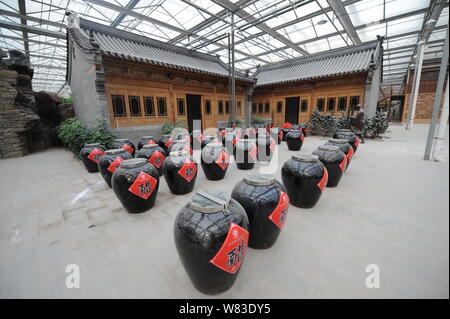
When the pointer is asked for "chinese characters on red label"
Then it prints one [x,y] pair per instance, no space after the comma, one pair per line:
[128,148]
[95,155]
[188,170]
[115,164]
[279,215]
[223,160]
[157,159]
[231,255]
[143,186]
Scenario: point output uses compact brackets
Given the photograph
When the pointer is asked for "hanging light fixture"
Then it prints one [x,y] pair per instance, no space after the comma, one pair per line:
[322,20]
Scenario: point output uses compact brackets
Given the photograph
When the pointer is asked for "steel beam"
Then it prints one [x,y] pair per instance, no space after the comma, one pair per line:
[32,19]
[262,26]
[416,85]
[122,15]
[48,66]
[30,29]
[32,41]
[23,12]
[344,19]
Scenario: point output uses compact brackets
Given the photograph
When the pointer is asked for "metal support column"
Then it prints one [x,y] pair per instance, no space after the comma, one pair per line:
[416,85]
[233,78]
[437,99]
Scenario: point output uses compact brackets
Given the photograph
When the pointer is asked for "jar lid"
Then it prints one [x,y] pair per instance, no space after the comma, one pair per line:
[346,133]
[115,151]
[121,140]
[258,179]
[210,201]
[209,136]
[179,141]
[148,136]
[150,145]
[307,158]
[296,130]
[196,131]
[179,153]
[214,145]
[344,130]
[92,144]
[133,163]
[337,141]
[329,148]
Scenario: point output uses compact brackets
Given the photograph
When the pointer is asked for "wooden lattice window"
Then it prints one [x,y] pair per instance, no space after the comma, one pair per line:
[180,107]
[220,107]
[321,104]
[208,107]
[279,107]
[354,101]
[304,106]
[253,107]
[267,107]
[162,106]
[342,103]
[227,107]
[331,104]
[118,104]
[149,106]
[239,107]
[260,107]
[135,105]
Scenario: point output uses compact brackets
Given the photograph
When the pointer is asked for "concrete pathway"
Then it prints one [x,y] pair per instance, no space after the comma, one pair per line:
[391,209]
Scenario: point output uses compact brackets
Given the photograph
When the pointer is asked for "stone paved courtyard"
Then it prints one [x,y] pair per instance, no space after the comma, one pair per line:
[390,209]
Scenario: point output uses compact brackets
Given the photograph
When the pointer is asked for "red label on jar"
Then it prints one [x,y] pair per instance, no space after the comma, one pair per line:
[222,133]
[272,145]
[169,142]
[128,148]
[280,135]
[279,215]
[323,182]
[157,159]
[235,140]
[199,138]
[306,130]
[222,161]
[95,155]
[350,155]
[231,255]
[151,142]
[357,142]
[188,170]
[143,186]
[115,164]
[343,164]
[252,152]
[302,137]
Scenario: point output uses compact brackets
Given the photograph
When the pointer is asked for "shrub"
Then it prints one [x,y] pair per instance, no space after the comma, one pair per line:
[258,120]
[168,126]
[66,100]
[73,135]
[377,125]
[237,121]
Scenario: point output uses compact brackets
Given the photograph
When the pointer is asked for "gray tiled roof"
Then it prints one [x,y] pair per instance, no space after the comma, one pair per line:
[91,36]
[338,62]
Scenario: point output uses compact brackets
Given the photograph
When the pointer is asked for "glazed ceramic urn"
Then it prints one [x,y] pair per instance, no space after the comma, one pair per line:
[277,134]
[344,146]
[90,155]
[125,144]
[209,139]
[215,160]
[110,161]
[229,141]
[211,237]
[304,178]
[196,139]
[147,140]
[294,140]
[285,131]
[180,172]
[305,129]
[136,184]
[335,162]
[165,142]
[245,153]
[266,147]
[266,204]
[154,154]
[349,136]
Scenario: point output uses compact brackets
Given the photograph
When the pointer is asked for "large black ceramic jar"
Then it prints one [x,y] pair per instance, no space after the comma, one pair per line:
[180,145]
[196,139]
[215,161]
[154,154]
[335,162]
[209,139]
[344,146]
[294,140]
[180,172]
[285,131]
[305,129]
[266,148]
[305,178]
[90,155]
[277,134]
[229,141]
[125,144]
[165,142]
[245,154]
[211,236]
[147,140]
[266,203]
[110,161]
[350,137]
[136,184]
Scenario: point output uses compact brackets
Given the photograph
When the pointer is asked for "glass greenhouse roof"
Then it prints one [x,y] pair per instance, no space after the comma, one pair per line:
[266,31]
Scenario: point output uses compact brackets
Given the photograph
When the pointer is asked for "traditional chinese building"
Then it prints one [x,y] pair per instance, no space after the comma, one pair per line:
[137,84]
